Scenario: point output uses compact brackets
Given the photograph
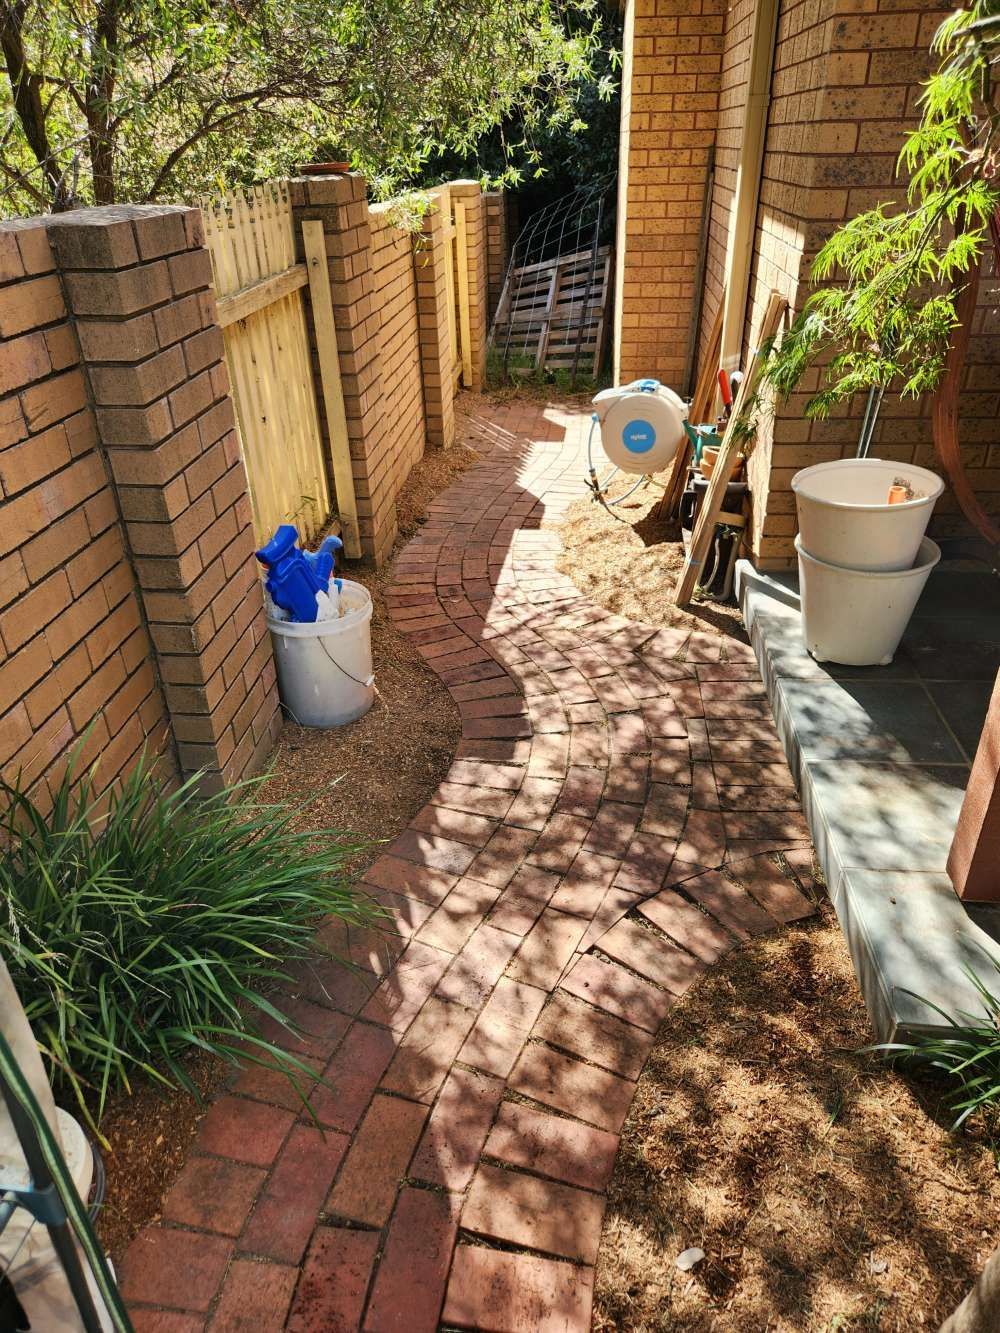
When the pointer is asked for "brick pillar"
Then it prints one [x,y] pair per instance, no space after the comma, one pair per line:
[340,203]
[469,193]
[974,859]
[430,254]
[137,282]
[497,247]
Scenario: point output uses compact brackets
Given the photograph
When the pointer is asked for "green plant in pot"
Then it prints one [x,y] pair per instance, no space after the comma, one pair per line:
[150,922]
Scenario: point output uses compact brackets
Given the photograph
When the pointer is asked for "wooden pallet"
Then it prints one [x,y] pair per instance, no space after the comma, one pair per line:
[553,312]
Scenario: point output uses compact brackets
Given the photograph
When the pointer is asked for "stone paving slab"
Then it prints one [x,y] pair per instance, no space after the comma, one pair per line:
[879,759]
[618,816]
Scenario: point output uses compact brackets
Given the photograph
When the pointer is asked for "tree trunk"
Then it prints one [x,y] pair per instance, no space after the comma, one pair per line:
[980,1311]
[100,91]
[26,90]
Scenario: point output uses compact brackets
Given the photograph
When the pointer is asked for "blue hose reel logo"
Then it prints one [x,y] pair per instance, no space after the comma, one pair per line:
[639,436]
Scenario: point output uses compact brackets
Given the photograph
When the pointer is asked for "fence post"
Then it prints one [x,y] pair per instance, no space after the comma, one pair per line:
[469,194]
[138,283]
[325,333]
[430,255]
[340,203]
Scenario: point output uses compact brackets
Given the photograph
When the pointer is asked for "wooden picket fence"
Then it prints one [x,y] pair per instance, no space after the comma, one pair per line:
[259,289]
[277,380]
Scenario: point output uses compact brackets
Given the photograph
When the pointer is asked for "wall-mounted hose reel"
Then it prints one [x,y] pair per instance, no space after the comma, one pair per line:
[642,427]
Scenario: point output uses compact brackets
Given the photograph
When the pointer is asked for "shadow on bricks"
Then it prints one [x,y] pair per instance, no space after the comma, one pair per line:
[588,856]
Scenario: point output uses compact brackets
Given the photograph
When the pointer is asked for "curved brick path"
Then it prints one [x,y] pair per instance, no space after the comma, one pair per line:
[603,837]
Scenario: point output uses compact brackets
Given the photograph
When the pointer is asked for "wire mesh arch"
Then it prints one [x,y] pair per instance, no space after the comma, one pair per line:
[552,310]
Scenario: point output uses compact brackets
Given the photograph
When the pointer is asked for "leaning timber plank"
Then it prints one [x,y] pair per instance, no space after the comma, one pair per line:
[729,449]
[701,405]
[257,295]
[333,390]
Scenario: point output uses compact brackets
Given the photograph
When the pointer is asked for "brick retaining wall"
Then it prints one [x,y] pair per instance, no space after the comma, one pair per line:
[131,603]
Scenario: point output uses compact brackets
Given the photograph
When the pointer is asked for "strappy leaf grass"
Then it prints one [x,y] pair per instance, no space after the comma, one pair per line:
[148,923]
[967,1054]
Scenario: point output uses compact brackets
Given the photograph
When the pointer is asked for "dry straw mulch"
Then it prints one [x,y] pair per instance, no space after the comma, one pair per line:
[627,559]
[826,1190]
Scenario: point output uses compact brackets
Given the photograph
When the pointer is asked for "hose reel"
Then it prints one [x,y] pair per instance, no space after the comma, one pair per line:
[642,425]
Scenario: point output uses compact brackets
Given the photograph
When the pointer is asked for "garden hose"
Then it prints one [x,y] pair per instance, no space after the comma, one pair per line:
[599,488]
[66,1217]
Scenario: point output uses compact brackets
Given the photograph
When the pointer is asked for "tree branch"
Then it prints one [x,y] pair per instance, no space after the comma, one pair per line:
[26,90]
[175,155]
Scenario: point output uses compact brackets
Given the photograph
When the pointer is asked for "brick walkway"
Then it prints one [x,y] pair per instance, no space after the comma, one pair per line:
[603,836]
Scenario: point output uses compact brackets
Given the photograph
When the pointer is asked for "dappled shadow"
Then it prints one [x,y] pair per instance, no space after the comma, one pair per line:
[581,789]
[819,1182]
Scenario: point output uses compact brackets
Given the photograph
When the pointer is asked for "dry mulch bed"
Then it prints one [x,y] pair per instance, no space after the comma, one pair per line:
[826,1189]
[627,559]
[377,773]
[370,778]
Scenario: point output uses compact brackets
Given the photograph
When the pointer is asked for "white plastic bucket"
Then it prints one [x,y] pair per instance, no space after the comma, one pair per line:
[325,668]
[857,616]
[845,518]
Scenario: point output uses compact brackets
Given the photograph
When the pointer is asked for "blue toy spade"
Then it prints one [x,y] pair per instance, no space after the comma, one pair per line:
[294,577]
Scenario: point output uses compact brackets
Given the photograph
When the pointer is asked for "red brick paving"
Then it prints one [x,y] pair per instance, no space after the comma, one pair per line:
[605,833]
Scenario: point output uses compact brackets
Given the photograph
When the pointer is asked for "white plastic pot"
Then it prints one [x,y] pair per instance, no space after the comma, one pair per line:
[857,616]
[325,668]
[845,518]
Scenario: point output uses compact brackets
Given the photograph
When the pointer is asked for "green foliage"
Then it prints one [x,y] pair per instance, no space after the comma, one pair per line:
[115,100]
[889,318]
[145,925]
[543,153]
[968,1056]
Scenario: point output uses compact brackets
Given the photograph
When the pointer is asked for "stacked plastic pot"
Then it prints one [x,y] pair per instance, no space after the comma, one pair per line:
[863,556]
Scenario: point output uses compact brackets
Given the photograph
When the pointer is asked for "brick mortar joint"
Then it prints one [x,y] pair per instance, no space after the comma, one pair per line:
[101,449]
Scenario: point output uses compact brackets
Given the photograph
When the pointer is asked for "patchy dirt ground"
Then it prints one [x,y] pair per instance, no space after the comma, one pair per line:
[150,1133]
[627,559]
[825,1189]
[371,778]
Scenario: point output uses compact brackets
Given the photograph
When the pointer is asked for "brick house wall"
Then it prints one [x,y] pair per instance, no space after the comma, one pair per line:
[843,93]
[670,98]
[131,601]
[729,125]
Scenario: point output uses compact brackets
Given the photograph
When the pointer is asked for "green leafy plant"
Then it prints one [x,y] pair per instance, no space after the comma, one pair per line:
[147,923]
[968,1055]
[111,101]
[888,316]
